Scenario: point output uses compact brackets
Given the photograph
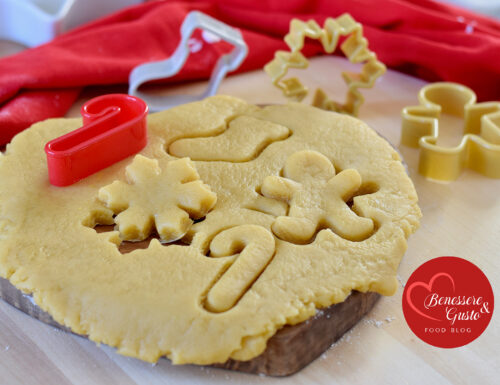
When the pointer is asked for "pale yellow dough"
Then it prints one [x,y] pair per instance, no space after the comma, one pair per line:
[165,198]
[205,303]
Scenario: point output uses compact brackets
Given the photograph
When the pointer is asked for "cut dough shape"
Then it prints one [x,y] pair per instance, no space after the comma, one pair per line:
[317,198]
[166,198]
[244,139]
[255,246]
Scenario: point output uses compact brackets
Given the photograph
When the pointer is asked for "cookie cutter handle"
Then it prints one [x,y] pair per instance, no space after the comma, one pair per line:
[167,68]
[114,127]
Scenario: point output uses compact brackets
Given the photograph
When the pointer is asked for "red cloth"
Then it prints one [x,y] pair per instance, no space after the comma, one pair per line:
[420,37]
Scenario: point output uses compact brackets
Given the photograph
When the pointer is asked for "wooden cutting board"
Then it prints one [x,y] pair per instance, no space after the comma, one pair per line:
[288,351]
[461,218]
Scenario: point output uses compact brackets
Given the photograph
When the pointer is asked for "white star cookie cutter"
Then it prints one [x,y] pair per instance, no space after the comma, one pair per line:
[167,68]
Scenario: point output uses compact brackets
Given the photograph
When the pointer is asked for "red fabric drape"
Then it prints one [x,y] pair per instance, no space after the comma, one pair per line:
[420,37]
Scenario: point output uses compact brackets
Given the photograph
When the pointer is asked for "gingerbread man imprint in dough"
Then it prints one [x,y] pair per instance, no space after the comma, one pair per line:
[317,199]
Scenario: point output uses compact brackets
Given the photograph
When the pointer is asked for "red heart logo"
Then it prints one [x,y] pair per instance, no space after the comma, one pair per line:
[428,287]
[430,305]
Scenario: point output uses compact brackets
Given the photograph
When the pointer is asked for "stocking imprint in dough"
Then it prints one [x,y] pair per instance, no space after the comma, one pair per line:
[234,144]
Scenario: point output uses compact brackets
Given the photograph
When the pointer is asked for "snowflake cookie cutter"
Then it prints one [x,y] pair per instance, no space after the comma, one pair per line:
[479,148]
[167,68]
[355,48]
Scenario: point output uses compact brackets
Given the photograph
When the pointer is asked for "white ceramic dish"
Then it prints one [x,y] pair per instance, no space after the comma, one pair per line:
[33,22]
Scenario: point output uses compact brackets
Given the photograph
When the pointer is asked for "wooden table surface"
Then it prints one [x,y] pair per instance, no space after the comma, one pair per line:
[460,218]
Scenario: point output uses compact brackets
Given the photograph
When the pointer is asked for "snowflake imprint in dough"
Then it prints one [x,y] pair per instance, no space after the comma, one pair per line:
[168,198]
[317,199]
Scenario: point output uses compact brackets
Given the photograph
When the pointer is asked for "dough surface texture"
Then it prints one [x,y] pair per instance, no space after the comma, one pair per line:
[245,267]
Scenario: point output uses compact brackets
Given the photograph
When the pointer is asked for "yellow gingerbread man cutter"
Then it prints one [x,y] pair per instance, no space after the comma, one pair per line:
[479,148]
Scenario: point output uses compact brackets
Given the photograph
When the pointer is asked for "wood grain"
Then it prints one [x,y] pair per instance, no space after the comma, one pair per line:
[288,351]
[294,347]
[461,218]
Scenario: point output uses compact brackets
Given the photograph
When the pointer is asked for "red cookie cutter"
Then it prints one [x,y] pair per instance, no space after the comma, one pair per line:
[114,127]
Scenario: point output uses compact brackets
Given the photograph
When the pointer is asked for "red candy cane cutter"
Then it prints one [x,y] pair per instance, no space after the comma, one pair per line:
[114,127]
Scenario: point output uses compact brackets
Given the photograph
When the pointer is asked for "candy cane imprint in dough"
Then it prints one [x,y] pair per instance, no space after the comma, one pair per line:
[256,247]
